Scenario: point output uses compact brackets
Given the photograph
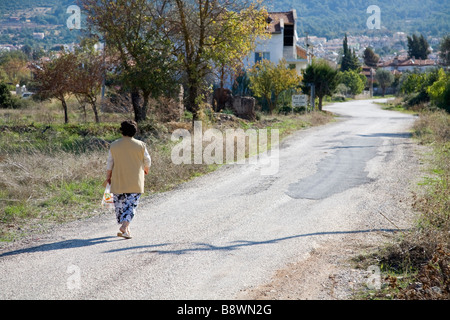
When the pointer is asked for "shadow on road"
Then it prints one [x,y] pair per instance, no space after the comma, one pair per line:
[403,135]
[199,247]
[66,244]
[196,247]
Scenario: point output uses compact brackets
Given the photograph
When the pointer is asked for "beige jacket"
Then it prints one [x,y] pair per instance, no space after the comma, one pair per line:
[127,159]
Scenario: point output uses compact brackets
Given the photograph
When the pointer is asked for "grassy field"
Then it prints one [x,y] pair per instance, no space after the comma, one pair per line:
[53,173]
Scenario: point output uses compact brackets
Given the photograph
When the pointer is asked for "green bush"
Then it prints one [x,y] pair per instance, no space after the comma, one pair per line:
[439,91]
[5,97]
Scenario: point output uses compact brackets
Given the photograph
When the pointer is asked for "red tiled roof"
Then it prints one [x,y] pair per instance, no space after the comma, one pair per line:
[408,63]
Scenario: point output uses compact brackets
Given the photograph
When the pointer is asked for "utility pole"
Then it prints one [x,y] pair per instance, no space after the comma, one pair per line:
[312,95]
[309,49]
[309,54]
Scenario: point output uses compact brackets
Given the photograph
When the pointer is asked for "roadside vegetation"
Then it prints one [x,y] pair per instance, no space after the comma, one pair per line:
[417,265]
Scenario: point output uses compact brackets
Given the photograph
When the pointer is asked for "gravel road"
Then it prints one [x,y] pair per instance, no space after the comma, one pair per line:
[228,232]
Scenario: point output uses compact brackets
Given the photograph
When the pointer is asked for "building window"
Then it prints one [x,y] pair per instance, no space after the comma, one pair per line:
[261,55]
[289,35]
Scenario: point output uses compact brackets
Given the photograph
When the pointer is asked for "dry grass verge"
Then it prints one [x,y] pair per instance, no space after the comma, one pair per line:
[417,265]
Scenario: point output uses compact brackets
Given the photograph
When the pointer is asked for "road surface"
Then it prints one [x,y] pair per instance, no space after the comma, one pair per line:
[230,230]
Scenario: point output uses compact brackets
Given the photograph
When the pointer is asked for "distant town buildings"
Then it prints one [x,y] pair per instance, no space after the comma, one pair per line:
[390,47]
[401,65]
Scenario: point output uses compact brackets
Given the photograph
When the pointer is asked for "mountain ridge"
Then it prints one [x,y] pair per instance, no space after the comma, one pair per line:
[334,18]
[328,18]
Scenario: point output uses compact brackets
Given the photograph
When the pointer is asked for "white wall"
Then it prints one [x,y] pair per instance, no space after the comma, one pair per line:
[274,46]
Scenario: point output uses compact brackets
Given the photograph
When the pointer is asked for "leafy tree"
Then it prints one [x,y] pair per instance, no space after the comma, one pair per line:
[54,78]
[5,96]
[418,82]
[385,78]
[353,80]
[418,47]
[14,65]
[134,34]
[212,33]
[439,91]
[87,78]
[268,80]
[324,78]
[27,50]
[445,50]
[238,39]
[370,58]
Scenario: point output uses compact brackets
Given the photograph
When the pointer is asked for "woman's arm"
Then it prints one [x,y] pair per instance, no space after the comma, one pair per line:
[109,167]
[147,161]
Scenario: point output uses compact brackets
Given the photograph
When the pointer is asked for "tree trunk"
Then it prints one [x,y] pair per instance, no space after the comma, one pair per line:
[320,103]
[269,103]
[146,96]
[64,105]
[192,100]
[94,108]
[139,111]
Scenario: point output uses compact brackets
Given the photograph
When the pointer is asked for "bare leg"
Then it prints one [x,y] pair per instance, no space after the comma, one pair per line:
[124,228]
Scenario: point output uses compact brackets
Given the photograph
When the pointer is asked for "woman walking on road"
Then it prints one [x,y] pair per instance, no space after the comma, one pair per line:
[128,162]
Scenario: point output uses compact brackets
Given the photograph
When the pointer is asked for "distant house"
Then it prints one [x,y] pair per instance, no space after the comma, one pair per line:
[407,64]
[38,35]
[282,44]
[369,73]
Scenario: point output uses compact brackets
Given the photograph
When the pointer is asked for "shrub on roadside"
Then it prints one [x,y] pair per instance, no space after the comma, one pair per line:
[417,266]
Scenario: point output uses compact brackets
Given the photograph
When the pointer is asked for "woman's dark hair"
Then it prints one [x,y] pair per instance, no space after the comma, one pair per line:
[128,128]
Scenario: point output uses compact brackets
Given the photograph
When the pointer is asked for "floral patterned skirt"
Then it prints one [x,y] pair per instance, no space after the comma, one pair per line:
[125,205]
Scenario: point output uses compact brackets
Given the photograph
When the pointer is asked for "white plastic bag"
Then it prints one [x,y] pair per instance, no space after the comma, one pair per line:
[108,198]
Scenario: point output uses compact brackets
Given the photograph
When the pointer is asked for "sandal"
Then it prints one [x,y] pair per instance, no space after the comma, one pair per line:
[124,235]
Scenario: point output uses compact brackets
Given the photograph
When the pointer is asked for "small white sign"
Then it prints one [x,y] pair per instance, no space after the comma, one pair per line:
[299,100]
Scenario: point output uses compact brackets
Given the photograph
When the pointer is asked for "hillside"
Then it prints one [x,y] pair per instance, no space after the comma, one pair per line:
[19,19]
[333,18]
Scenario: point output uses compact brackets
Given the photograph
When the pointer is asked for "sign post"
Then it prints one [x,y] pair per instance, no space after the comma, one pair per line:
[299,100]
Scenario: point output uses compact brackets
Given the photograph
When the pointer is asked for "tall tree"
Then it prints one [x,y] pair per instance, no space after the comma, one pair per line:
[349,59]
[6,100]
[385,78]
[133,33]
[212,33]
[353,80]
[324,78]
[370,58]
[445,50]
[418,47]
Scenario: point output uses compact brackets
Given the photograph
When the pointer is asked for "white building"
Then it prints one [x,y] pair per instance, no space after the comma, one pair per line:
[408,64]
[38,35]
[282,43]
